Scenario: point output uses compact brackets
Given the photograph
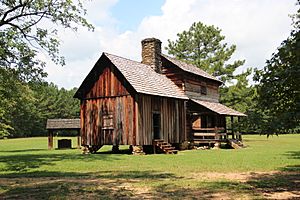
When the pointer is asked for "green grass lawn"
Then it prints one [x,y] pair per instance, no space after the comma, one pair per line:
[267,167]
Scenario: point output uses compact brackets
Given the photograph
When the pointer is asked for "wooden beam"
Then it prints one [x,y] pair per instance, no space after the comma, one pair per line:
[50,139]
[225,125]
[232,131]
[240,136]
[104,97]
[78,139]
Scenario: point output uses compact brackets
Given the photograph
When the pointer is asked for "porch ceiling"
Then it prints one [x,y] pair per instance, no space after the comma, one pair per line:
[219,108]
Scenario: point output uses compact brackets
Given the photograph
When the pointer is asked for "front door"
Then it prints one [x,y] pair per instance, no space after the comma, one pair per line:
[156,125]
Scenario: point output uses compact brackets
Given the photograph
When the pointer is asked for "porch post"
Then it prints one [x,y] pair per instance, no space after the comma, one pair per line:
[216,127]
[232,131]
[225,127]
[78,139]
[50,139]
[240,134]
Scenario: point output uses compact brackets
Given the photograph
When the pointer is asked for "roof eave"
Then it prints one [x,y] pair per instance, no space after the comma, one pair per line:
[212,79]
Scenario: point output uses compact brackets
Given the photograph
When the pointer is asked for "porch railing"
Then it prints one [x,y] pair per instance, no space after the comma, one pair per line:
[214,134]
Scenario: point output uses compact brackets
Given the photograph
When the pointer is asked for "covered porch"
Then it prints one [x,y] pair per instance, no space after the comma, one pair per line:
[213,123]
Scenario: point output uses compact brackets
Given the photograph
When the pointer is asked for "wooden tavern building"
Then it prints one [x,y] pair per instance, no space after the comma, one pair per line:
[160,101]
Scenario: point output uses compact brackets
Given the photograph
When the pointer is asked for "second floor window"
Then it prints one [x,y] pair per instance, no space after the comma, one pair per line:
[203,90]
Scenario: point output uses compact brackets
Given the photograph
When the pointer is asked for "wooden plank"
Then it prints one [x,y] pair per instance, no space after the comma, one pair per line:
[204,134]
[50,139]
[207,129]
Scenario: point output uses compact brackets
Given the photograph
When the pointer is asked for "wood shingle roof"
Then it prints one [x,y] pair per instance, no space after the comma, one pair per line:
[56,124]
[144,79]
[190,68]
[219,108]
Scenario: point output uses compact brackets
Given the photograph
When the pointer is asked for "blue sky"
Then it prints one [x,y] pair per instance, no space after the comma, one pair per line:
[256,27]
[129,13]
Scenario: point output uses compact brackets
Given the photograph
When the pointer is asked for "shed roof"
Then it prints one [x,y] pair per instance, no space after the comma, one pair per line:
[219,108]
[190,68]
[63,124]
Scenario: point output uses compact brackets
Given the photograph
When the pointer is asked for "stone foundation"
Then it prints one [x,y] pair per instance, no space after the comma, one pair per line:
[137,150]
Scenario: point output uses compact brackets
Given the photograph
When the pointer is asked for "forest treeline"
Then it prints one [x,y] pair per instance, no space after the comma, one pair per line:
[25,107]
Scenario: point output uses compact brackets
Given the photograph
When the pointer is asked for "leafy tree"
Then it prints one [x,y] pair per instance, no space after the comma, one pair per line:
[52,102]
[279,85]
[16,104]
[23,33]
[28,27]
[5,127]
[240,95]
[204,47]
[25,107]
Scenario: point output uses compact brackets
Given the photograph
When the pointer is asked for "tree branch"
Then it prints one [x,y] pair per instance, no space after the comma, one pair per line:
[24,15]
[11,10]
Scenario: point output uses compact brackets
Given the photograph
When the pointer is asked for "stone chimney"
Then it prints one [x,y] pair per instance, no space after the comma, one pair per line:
[151,51]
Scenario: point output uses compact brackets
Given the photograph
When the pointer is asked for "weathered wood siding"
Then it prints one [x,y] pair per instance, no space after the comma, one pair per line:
[108,111]
[173,72]
[123,129]
[109,84]
[191,83]
[172,112]
[193,90]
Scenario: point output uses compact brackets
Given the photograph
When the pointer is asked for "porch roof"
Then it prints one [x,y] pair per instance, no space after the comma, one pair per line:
[219,108]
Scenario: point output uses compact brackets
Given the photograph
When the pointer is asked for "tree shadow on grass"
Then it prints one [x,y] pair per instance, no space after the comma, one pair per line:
[293,154]
[22,150]
[215,189]
[121,151]
[64,188]
[114,185]
[58,185]
[286,180]
[25,162]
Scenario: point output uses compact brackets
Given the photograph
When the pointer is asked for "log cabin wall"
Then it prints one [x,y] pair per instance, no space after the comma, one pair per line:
[201,88]
[190,83]
[172,119]
[108,110]
[172,72]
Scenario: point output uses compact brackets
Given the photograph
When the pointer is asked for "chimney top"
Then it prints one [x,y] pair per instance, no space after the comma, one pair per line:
[151,40]
[151,52]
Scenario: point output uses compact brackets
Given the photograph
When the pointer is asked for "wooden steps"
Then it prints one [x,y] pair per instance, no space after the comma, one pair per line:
[164,146]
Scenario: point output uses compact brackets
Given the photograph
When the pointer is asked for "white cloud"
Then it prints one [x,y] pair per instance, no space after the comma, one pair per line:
[82,48]
[257,27]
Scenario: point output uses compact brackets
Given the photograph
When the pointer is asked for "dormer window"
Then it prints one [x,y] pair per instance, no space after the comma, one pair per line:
[203,90]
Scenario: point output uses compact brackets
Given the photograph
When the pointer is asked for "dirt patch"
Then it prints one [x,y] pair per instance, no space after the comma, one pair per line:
[283,195]
[270,185]
[210,185]
[216,176]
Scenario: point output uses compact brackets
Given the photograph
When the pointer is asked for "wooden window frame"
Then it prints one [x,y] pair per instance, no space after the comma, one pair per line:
[108,121]
[203,89]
